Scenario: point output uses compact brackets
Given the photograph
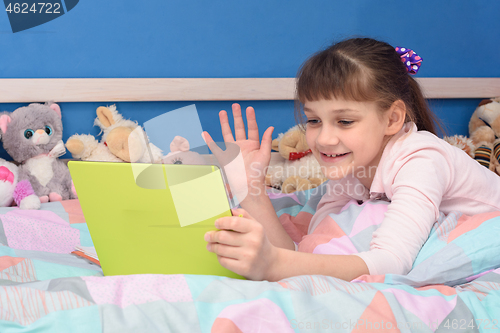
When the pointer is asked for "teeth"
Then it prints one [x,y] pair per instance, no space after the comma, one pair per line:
[334,155]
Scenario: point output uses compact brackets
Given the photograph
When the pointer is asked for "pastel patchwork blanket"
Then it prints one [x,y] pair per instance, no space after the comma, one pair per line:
[454,285]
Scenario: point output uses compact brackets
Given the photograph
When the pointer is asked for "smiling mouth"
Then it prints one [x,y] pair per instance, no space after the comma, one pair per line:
[335,155]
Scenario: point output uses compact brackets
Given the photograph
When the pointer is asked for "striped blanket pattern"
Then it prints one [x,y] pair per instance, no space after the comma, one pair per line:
[454,284]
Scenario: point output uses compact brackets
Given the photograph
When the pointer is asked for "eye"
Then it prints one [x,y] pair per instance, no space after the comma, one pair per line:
[345,122]
[312,121]
[48,130]
[28,133]
[177,160]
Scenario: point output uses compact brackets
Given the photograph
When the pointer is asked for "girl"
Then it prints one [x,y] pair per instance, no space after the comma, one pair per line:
[370,129]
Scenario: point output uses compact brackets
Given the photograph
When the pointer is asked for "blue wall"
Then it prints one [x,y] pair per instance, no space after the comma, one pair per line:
[167,38]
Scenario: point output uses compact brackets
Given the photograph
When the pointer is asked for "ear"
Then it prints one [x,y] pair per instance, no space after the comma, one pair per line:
[56,108]
[179,144]
[396,116]
[4,122]
[105,116]
[484,102]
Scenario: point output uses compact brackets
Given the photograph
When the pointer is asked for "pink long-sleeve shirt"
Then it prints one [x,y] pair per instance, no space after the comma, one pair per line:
[421,175]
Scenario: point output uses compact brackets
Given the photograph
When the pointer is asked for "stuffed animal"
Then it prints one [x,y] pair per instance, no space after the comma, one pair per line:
[122,141]
[32,135]
[180,154]
[85,147]
[11,190]
[296,169]
[484,130]
[462,142]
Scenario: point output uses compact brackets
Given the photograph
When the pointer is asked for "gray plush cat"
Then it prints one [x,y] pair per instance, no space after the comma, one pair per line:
[32,136]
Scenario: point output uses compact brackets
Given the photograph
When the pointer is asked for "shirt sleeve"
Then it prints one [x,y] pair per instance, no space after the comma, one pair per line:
[415,189]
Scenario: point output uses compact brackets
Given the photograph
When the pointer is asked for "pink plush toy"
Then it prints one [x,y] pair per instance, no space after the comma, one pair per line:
[11,190]
[180,154]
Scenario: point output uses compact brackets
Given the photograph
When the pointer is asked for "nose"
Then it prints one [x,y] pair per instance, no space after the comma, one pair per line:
[327,137]
[40,137]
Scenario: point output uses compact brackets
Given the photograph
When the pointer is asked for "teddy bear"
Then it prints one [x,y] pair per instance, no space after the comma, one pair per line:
[122,141]
[295,168]
[32,136]
[11,189]
[484,130]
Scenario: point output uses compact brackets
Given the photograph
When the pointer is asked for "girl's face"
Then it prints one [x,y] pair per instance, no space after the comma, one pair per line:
[346,137]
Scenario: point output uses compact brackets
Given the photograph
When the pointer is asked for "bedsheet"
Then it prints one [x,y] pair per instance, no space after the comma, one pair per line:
[454,285]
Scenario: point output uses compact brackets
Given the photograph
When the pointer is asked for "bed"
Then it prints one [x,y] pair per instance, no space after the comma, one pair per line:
[454,284]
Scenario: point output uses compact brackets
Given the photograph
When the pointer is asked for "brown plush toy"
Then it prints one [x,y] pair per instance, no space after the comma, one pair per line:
[484,130]
[295,169]
[462,142]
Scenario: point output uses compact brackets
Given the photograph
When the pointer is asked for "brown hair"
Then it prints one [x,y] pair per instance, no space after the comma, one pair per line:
[363,69]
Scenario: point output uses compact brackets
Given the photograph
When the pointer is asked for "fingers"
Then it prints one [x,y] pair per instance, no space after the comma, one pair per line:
[225,237]
[206,137]
[224,243]
[230,263]
[211,143]
[267,140]
[224,250]
[239,211]
[227,134]
[234,258]
[253,129]
[240,222]
[240,135]
[233,223]
[239,126]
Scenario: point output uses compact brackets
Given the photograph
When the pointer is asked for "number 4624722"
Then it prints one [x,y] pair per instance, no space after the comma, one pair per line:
[462,324]
[36,8]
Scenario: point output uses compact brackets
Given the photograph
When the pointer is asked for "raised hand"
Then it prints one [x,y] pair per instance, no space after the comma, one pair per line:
[255,156]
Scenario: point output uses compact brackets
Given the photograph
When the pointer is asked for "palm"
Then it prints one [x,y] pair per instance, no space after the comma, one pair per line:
[250,149]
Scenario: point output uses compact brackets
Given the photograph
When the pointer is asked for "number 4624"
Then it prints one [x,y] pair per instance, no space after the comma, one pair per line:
[462,324]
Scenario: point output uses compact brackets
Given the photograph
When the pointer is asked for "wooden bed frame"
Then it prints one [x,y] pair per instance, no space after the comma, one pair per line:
[205,89]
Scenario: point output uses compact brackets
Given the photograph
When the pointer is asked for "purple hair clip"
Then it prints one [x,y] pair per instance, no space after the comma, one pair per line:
[411,60]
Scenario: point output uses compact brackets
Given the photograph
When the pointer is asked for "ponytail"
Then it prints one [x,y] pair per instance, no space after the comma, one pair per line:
[422,116]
